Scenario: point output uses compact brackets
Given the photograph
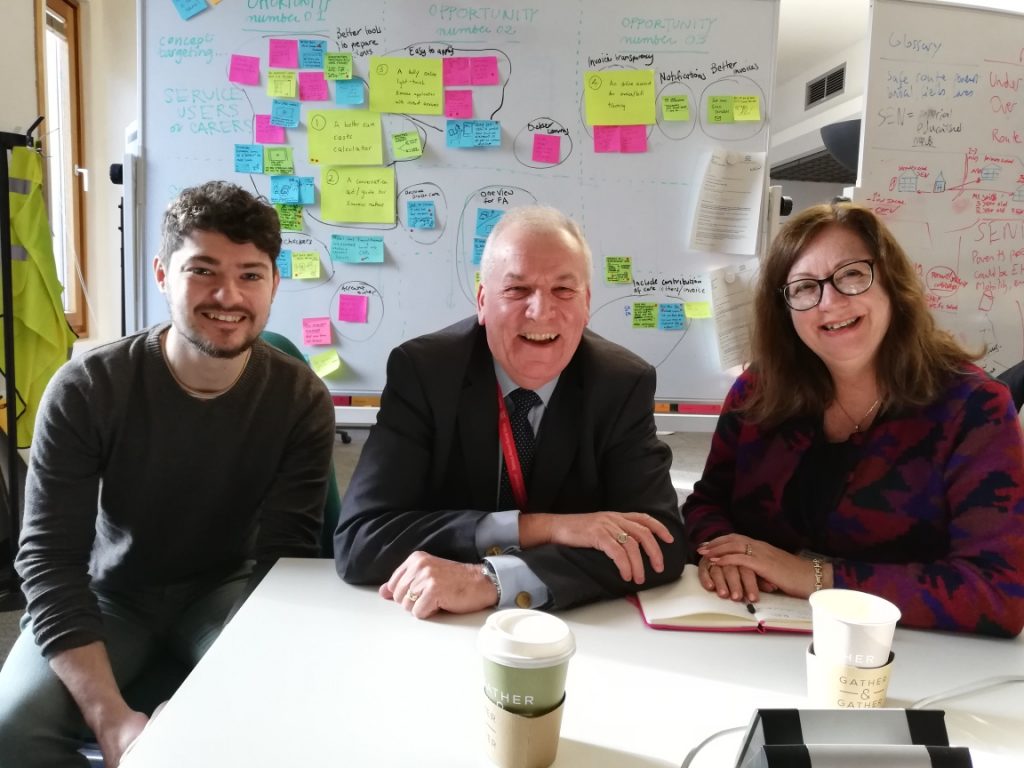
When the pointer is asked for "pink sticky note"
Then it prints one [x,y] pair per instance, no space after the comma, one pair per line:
[316,331]
[312,86]
[267,133]
[284,54]
[352,308]
[484,70]
[458,104]
[634,138]
[546,148]
[607,138]
[455,71]
[244,70]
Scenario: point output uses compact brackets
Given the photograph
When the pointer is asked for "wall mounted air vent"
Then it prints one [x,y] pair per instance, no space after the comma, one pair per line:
[825,87]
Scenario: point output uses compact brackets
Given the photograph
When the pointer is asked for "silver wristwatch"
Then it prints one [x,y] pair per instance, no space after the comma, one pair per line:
[488,570]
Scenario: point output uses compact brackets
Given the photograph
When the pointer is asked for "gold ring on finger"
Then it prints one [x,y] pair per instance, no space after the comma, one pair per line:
[748,551]
[622,537]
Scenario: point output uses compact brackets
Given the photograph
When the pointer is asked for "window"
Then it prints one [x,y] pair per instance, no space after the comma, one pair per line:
[62,145]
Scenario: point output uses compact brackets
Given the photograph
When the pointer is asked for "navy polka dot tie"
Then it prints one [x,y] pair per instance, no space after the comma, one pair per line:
[523,400]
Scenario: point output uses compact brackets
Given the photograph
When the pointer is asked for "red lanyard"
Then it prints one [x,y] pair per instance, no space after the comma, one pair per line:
[508,449]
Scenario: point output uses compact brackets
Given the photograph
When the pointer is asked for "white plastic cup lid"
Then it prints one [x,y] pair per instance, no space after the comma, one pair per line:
[526,639]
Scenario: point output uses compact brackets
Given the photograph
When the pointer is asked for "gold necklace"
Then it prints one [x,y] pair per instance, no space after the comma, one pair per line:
[857,423]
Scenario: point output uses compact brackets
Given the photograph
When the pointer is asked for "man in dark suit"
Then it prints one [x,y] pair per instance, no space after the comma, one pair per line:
[514,460]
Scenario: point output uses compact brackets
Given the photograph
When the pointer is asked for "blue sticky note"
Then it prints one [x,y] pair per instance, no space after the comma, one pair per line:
[486,219]
[284,264]
[307,195]
[284,113]
[348,91]
[248,158]
[671,317]
[284,189]
[189,8]
[467,134]
[420,214]
[311,54]
[478,249]
[355,249]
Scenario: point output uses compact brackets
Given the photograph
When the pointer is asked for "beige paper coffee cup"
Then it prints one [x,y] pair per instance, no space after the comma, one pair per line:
[852,628]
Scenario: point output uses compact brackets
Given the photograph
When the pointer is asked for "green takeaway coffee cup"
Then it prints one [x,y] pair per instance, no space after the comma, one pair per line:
[526,655]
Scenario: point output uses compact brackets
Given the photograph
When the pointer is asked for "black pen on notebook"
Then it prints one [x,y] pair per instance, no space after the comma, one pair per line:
[751,608]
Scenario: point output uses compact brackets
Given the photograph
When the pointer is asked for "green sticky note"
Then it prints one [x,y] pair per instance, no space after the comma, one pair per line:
[675,108]
[290,216]
[697,310]
[618,269]
[476,283]
[746,108]
[358,194]
[619,97]
[345,137]
[278,161]
[406,145]
[409,86]
[325,363]
[645,314]
[305,265]
[338,66]
[281,84]
[720,109]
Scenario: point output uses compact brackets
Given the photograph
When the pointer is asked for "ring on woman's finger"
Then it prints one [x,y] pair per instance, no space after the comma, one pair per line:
[622,537]
[413,596]
[748,551]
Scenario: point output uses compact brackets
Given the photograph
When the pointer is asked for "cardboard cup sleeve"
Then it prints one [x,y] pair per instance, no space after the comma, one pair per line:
[845,687]
[517,741]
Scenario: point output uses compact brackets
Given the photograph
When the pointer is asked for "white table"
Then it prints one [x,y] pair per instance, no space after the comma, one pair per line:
[313,672]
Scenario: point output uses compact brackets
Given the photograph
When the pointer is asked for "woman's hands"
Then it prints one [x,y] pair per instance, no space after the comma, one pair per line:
[738,567]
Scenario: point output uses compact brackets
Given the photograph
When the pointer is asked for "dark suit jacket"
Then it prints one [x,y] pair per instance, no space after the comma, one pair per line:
[429,470]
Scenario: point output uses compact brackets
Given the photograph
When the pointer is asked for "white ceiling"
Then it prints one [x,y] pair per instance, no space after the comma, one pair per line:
[809,30]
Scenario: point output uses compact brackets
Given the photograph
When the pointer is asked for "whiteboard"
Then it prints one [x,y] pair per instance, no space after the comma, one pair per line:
[942,161]
[629,204]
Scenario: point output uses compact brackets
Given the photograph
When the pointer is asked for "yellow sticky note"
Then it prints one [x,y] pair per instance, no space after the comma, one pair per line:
[746,108]
[338,66]
[675,108]
[281,84]
[645,314]
[619,97]
[406,145]
[720,109]
[410,86]
[358,194]
[697,310]
[325,363]
[476,282]
[278,161]
[618,269]
[305,265]
[345,137]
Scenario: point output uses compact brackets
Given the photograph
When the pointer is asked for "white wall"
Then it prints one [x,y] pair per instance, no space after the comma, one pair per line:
[18,54]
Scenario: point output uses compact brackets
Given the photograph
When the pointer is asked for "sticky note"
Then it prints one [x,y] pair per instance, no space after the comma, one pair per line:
[311,54]
[697,310]
[244,70]
[281,84]
[746,108]
[633,138]
[265,133]
[284,113]
[476,283]
[357,249]
[607,138]
[358,194]
[720,109]
[619,97]
[349,92]
[338,66]
[313,87]
[420,214]
[478,249]
[284,189]
[353,308]
[345,137]
[325,363]
[618,270]
[307,193]
[466,134]
[305,265]
[483,70]
[645,314]
[278,161]
[290,217]
[675,108]
[248,158]
[410,86]
[547,148]
[456,71]
[284,264]
[406,145]
[486,219]
[458,104]
[189,8]
[316,331]
[670,317]
[283,53]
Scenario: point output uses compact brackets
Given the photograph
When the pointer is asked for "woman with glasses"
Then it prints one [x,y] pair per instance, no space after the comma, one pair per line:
[862,449]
